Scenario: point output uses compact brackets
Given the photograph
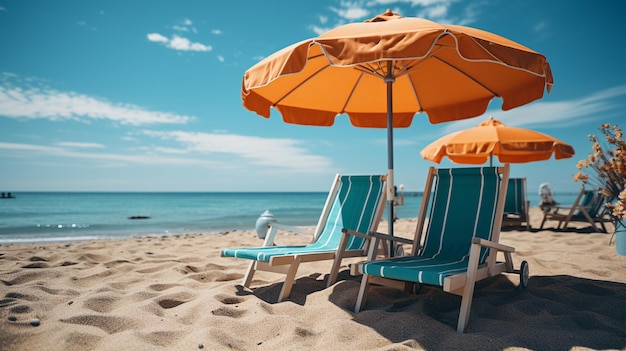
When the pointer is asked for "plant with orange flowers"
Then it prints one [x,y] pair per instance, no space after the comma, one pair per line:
[608,162]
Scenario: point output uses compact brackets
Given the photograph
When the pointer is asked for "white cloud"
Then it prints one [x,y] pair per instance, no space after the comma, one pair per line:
[319,30]
[539,27]
[351,11]
[218,151]
[157,38]
[435,10]
[552,114]
[216,31]
[80,145]
[21,101]
[16,149]
[178,43]
[275,152]
[180,28]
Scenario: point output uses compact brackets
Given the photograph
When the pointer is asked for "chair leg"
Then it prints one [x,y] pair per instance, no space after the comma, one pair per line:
[247,279]
[468,290]
[543,221]
[288,284]
[361,300]
[334,271]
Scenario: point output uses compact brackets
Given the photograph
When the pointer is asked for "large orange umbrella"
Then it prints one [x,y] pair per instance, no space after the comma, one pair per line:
[492,138]
[382,72]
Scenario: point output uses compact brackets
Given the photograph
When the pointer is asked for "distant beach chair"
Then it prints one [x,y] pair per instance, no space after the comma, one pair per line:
[516,205]
[354,202]
[459,245]
[588,207]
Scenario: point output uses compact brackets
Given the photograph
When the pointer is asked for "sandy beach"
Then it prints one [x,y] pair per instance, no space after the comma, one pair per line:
[177,293]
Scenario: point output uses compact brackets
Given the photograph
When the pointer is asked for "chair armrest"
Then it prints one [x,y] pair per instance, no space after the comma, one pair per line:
[290,228]
[355,233]
[378,235]
[386,236]
[273,230]
[491,244]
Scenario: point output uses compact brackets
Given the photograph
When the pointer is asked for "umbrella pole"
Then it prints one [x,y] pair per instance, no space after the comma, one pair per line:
[389,79]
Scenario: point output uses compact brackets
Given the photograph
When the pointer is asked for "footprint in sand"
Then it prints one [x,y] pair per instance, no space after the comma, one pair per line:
[37,262]
[37,265]
[19,296]
[303,332]
[103,304]
[110,324]
[34,322]
[30,276]
[120,265]
[163,338]
[229,312]
[229,300]
[215,276]
[174,300]
[161,287]
[156,268]
[81,341]
[188,269]
[94,258]
[20,309]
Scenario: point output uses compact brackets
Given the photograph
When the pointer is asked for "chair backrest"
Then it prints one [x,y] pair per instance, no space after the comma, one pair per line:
[515,202]
[356,203]
[596,208]
[593,201]
[463,205]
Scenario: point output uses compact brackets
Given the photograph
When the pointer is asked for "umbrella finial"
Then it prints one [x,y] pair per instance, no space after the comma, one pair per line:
[491,123]
[388,15]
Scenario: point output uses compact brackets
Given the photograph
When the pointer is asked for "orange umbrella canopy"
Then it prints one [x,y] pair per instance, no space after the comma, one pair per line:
[449,72]
[492,138]
[381,72]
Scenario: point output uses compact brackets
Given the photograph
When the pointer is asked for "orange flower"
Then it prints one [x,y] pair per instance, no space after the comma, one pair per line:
[608,161]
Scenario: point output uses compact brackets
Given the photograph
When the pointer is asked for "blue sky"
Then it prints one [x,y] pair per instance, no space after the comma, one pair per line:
[145,95]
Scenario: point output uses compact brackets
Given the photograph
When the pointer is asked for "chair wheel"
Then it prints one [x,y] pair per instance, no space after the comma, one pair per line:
[523,275]
[399,250]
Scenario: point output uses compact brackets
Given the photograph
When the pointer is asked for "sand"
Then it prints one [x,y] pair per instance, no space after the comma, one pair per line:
[177,293]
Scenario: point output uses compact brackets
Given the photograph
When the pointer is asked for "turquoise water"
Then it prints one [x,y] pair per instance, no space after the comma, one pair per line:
[51,216]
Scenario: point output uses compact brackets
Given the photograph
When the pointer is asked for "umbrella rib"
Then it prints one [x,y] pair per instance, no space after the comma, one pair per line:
[466,75]
[369,68]
[380,71]
[343,108]
[417,97]
[304,81]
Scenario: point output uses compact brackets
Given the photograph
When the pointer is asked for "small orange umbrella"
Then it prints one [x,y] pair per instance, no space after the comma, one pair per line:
[509,144]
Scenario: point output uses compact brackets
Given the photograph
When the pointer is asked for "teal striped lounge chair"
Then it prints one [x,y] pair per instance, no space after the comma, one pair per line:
[456,245]
[355,202]
[516,205]
[589,207]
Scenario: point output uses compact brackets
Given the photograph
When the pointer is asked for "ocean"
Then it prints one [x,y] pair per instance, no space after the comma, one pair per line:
[76,216]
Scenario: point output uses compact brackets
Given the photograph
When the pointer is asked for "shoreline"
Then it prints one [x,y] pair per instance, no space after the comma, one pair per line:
[175,292]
